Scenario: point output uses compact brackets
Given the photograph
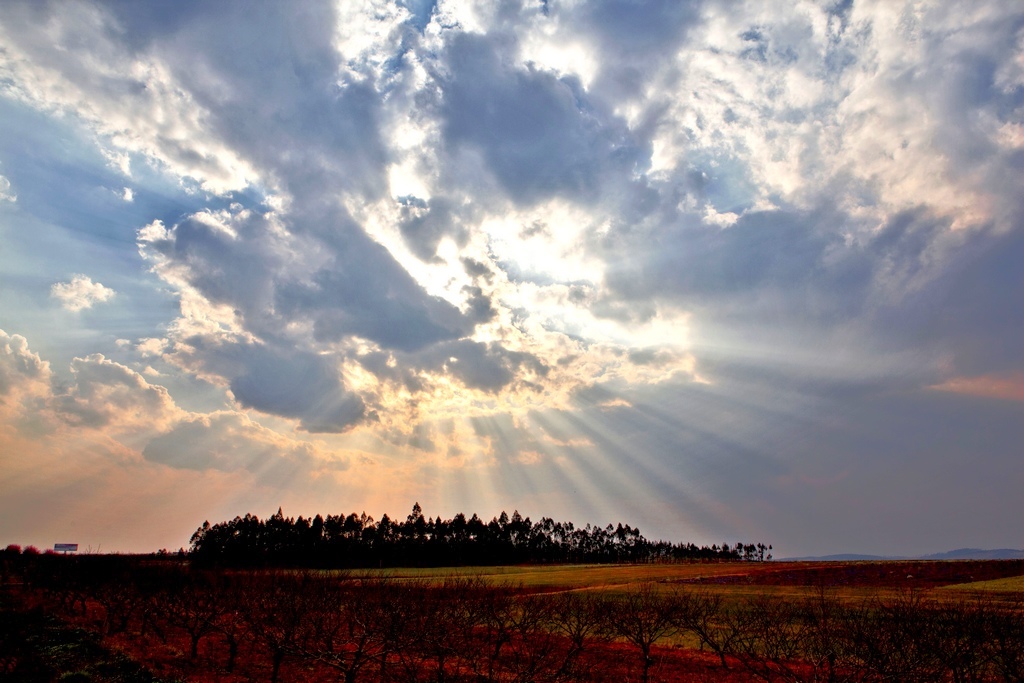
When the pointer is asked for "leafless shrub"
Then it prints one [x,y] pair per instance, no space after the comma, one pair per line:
[704,615]
[275,606]
[888,638]
[1005,643]
[196,604]
[578,617]
[642,617]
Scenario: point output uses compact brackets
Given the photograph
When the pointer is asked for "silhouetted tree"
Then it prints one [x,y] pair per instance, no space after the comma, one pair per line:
[352,541]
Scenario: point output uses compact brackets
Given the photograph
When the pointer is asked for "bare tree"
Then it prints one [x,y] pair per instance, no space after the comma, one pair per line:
[642,617]
[438,638]
[578,618]
[231,625]
[195,605]
[275,607]
[347,627]
[534,652]
[493,621]
[957,633]
[888,639]
[1006,640]
[704,615]
[766,642]
[824,641]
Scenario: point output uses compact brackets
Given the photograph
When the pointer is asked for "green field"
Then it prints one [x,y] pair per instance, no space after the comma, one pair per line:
[1013,584]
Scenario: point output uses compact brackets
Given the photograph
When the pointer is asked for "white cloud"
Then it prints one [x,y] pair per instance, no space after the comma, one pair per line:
[80,293]
[6,195]
[365,34]
[24,378]
[119,412]
[102,396]
[109,396]
[71,59]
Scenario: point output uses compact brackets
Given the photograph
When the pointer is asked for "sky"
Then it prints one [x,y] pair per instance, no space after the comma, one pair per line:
[721,270]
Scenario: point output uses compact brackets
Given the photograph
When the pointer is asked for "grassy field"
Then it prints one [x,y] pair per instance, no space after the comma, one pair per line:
[847,581]
[1012,584]
[576,576]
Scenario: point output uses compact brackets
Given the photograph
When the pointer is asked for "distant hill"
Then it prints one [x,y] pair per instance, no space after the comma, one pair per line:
[845,557]
[977,554]
[959,554]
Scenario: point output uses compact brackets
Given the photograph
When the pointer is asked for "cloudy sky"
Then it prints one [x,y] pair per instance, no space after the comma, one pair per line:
[721,270]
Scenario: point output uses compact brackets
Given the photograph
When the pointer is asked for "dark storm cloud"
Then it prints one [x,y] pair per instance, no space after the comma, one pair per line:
[959,80]
[640,27]
[650,356]
[540,135]
[763,249]
[242,260]
[271,85]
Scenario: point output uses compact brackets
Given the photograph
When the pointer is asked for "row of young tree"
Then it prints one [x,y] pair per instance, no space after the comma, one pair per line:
[354,541]
[268,625]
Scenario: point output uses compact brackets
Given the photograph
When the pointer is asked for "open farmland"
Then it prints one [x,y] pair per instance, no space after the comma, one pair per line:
[851,581]
[578,577]
[729,621]
[920,574]
[1011,585]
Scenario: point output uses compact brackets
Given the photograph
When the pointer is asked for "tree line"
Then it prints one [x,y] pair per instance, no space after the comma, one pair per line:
[358,541]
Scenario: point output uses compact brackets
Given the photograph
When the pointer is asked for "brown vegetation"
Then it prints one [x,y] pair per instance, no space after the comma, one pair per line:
[204,625]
